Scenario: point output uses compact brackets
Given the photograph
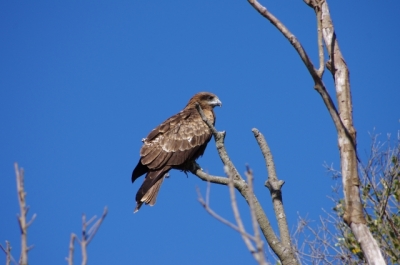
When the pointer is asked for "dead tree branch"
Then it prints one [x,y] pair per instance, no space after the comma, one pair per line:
[248,239]
[70,258]
[23,224]
[257,253]
[354,215]
[7,251]
[206,205]
[219,141]
[332,241]
[284,254]
[319,85]
[275,187]
[260,257]
[87,237]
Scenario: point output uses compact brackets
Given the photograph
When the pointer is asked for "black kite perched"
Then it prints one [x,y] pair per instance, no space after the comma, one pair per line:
[174,144]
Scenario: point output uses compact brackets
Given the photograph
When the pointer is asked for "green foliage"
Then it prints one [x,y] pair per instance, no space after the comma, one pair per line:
[380,194]
[332,242]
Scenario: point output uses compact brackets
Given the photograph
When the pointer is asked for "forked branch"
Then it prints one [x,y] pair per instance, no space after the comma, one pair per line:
[315,74]
[353,215]
[7,251]
[87,236]
[249,240]
[285,254]
[275,187]
[206,204]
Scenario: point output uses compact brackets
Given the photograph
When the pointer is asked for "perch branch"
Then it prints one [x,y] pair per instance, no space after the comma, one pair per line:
[219,141]
[285,254]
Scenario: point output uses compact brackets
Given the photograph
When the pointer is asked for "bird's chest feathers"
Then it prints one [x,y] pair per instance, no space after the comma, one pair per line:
[209,115]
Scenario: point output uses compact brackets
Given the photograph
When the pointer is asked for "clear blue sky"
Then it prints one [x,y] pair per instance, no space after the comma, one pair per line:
[82,82]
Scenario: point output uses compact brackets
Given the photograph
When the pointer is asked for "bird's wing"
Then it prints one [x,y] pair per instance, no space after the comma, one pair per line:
[182,137]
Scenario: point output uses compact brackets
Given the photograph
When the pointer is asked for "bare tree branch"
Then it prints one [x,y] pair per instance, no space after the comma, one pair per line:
[319,85]
[219,218]
[285,254]
[23,224]
[93,230]
[347,137]
[288,35]
[219,141]
[275,187]
[84,240]
[87,237]
[347,143]
[7,251]
[236,214]
[257,252]
[70,258]
[259,243]
[354,215]
[321,68]
[316,5]
[332,242]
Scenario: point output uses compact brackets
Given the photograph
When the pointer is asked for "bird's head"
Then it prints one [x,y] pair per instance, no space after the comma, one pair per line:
[206,100]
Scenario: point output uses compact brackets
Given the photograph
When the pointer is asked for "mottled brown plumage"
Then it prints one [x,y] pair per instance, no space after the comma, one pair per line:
[173,144]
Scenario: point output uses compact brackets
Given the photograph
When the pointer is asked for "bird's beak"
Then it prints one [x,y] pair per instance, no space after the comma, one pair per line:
[216,102]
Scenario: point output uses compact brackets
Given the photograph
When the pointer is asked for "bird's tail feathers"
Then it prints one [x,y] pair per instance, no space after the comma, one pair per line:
[148,192]
[150,197]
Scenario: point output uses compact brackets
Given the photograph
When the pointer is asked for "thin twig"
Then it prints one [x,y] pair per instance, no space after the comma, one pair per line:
[7,251]
[236,212]
[247,238]
[87,236]
[96,226]
[219,218]
[84,240]
[258,241]
[208,193]
[70,258]
[31,221]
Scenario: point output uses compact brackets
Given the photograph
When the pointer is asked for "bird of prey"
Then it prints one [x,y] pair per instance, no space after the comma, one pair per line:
[174,144]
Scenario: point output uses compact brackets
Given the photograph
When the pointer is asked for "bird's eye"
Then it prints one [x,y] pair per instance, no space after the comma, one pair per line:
[210,97]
